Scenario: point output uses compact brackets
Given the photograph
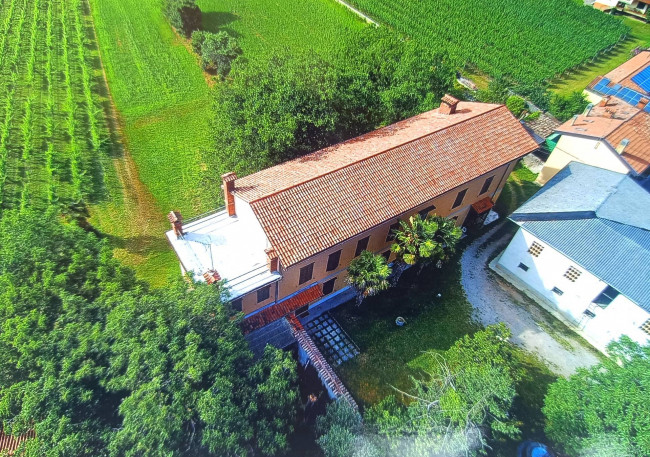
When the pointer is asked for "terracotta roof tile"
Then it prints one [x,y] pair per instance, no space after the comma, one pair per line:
[637,131]
[279,310]
[371,179]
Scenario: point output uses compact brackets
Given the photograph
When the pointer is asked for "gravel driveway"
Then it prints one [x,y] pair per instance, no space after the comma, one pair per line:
[494,300]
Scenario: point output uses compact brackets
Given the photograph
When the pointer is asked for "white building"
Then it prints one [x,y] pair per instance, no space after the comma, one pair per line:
[583,251]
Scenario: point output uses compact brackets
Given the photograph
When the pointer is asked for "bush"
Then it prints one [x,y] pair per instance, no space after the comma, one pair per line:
[217,51]
[565,107]
[516,104]
[183,15]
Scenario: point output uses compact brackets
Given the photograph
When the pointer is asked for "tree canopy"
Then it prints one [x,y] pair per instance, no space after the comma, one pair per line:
[603,410]
[368,275]
[283,106]
[96,364]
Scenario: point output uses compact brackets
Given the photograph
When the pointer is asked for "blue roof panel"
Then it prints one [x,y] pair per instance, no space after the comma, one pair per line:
[642,79]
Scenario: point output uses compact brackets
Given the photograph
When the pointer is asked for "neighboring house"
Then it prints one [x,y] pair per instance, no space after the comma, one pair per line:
[583,249]
[289,232]
[614,130]
[634,7]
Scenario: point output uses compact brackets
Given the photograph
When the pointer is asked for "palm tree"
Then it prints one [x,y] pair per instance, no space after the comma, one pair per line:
[423,241]
[368,275]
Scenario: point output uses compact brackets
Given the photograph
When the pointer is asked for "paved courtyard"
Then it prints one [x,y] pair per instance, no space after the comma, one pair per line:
[495,300]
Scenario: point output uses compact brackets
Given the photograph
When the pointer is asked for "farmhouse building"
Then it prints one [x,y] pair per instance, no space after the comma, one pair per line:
[288,233]
[614,130]
[583,250]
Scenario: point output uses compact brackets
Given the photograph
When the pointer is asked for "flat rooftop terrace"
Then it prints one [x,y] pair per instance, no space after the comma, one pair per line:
[225,244]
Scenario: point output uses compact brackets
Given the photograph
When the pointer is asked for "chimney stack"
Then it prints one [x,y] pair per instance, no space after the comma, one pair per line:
[228,188]
[604,101]
[175,218]
[642,103]
[448,105]
[622,145]
[272,260]
[211,276]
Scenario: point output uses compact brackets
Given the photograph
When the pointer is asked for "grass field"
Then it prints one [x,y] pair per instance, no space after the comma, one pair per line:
[262,25]
[528,40]
[580,77]
[53,131]
[163,105]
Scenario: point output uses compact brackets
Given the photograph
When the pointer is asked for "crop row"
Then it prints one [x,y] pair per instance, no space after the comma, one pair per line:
[527,40]
[51,127]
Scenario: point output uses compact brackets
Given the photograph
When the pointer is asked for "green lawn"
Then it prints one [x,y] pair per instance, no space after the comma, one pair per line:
[262,25]
[519,187]
[579,78]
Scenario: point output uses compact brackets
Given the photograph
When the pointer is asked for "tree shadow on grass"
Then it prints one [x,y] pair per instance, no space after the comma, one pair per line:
[214,21]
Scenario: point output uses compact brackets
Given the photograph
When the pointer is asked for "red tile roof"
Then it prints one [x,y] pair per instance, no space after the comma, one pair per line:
[317,201]
[637,131]
[279,310]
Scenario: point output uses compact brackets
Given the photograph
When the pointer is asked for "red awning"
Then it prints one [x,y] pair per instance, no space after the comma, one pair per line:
[279,310]
[484,205]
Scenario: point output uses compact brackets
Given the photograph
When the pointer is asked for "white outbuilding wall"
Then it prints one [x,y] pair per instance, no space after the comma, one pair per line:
[547,271]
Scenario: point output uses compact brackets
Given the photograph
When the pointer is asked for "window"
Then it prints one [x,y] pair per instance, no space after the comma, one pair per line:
[263,294]
[646,327]
[333,260]
[303,311]
[535,249]
[572,274]
[328,286]
[425,212]
[523,266]
[557,291]
[606,297]
[306,273]
[362,244]
[236,304]
[486,185]
[386,254]
[459,198]
[391,232]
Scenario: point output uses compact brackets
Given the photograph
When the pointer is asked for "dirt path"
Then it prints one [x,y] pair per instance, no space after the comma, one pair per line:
[130,216]
[494,300]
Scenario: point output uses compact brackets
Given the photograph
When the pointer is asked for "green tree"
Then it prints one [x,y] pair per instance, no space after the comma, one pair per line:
[498,91]
[283,106]
[217,51]
[368,275]
[563,107]
[183,15]
[461,405]
[421,241]
[603,410]
[515,104]
[192,385]
[55,282]
[339,429]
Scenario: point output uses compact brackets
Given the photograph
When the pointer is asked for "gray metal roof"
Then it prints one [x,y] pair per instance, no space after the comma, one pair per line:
[599,219]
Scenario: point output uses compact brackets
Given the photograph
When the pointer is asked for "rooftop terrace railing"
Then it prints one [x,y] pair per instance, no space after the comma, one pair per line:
[201,216]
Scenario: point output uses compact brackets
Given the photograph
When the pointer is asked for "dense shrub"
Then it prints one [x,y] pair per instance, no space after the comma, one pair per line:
[516,104]
[563,107]
[217,51]
[183,15]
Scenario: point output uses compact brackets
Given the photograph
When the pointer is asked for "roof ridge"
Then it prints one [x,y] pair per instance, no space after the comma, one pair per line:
[329,172]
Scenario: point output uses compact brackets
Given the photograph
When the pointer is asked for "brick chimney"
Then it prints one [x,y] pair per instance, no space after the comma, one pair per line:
[272,260]
[211,276]
[448,105]
[175,218]
[604,101]
[228,188]
[642,103]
